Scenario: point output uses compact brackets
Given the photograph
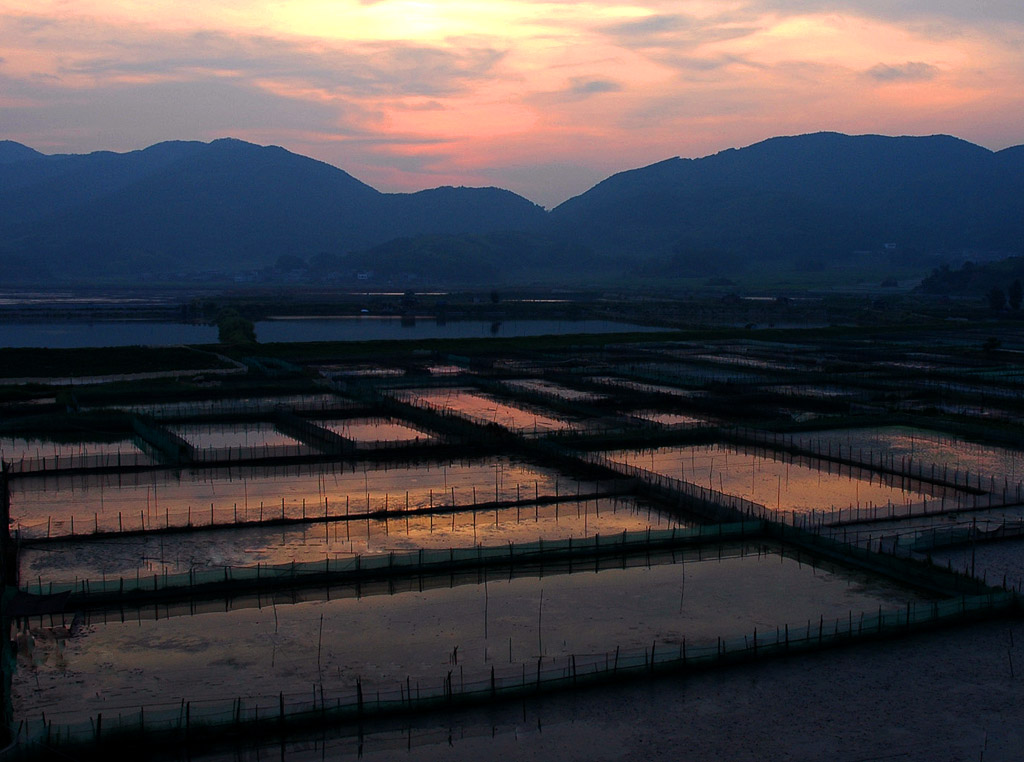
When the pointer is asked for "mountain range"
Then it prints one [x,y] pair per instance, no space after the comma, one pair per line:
[231,206]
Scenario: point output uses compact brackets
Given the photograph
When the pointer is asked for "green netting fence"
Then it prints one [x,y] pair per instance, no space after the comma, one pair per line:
[374,505]
[719,506]
[963,534]
[250,716]
[900,465]
[421,561]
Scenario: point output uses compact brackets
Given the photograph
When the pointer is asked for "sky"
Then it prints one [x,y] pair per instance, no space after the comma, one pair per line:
[543,97]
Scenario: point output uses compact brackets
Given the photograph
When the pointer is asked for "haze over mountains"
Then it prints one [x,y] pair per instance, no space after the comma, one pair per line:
[804,202]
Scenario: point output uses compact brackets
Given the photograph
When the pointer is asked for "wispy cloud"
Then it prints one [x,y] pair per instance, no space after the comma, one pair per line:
[584,87]
[654,25]
[406,94]
[365,69]
[911,71]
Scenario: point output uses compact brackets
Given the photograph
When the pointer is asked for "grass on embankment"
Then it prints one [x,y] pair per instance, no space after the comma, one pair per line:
[17,362]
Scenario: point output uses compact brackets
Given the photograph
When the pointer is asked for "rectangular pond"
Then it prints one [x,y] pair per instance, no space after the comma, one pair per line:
[374,328]
[35,454]
[646,388]
[371,432]
[776,481]
[158,498]
[146,555]
[672,420]
[114,333]
[223,436]
[120,660]
[484,408]
[924,446]
[551,389]
[296,403]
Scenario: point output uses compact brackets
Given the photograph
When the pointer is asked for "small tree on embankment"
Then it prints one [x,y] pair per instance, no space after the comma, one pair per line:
[235,329]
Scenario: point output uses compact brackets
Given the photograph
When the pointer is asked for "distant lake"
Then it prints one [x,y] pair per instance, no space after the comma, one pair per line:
[69,335]
[376,328]
[64,335]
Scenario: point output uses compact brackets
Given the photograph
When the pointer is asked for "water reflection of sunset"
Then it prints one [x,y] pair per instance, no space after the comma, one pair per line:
[778,484]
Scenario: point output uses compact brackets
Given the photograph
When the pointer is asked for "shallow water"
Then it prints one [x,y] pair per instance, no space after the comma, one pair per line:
[774,482]
[671,419]
[367,328]
[111,665]
[112,333]
[158,498]
[483,408]
[369,431]
[50,454]
[173,554]
[927,447]
[240,405]
[646,388]
[215,436]
[555,390]
[67,334]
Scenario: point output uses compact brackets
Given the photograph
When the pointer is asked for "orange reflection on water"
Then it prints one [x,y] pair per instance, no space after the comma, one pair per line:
[798,487]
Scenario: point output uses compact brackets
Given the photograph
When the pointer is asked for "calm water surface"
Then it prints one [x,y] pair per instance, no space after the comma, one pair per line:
[65,335]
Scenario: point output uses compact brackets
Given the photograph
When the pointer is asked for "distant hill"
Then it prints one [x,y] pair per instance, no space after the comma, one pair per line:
[809,198]
[972,279]
[488,258]
[805,202]
[225,205]
[11,152]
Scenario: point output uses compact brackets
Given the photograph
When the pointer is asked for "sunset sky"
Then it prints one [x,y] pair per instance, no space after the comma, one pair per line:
[539,96]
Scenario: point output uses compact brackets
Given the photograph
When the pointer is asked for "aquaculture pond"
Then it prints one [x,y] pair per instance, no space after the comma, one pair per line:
[35,454]
[375,328]
[65,334]
[116,333]
[551,389]
[991,561]
[776,481]
[813,391]
[681,420]
[368,432]
[46,504]
[699,375]
[923,446]
[484,408]
[348,370]
[747,361]
[241,405]
[146,555]
[646,388]
[117,661]
[222,436]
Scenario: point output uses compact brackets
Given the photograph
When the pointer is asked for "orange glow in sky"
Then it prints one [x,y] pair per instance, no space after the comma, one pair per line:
[544,97]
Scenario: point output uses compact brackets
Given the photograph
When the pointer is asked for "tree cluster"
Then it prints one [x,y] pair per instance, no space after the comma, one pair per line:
[999,299]
[234,328]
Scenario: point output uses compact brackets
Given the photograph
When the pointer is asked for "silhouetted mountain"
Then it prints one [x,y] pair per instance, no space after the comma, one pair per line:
[11,152]
[814,196]
[225,205]
[1014,157]
[806,202]
[462,210]
[485,258]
